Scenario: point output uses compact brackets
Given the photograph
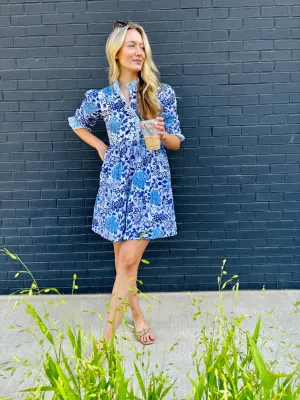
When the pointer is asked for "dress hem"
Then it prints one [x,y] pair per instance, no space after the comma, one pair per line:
[145,237]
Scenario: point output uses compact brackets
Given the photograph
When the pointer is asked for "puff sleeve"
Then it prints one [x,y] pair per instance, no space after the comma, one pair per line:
[88,112]
[169,111]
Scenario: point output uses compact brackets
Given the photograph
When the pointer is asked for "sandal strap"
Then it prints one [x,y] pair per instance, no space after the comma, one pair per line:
[143,331]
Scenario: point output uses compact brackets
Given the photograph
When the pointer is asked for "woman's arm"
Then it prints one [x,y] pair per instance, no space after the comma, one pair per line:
[86,116]
[168,124]
[92,140]
[172,142]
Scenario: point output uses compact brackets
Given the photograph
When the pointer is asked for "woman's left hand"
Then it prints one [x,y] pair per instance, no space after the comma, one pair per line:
[160,128]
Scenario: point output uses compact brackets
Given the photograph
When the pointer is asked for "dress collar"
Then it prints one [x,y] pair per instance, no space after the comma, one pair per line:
[132,85]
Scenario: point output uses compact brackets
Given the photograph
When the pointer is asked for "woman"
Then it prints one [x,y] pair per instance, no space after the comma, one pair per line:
[134,203]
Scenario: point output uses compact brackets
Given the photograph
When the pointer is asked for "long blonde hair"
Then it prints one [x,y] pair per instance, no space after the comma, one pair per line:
[148,104]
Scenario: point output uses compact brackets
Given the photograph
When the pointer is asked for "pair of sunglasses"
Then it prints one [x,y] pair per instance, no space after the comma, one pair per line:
[120,24]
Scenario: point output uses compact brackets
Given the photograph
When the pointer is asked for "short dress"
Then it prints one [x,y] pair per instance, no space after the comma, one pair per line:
[135,198]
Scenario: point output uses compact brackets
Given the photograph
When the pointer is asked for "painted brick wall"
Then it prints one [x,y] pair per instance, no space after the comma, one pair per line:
[235,66]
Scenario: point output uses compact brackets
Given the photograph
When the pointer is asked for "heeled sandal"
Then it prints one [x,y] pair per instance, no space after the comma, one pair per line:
[99,346]
[141,333]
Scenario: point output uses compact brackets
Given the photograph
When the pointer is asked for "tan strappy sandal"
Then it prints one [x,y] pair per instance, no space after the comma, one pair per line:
[99,347]
[143,332]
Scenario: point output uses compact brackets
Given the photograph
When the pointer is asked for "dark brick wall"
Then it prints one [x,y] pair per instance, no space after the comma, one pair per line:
[234,64]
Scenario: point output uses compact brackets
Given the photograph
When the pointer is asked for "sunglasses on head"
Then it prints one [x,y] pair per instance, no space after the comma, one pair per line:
[120,24]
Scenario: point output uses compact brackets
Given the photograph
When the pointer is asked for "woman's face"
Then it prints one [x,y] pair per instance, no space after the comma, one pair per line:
[131,56]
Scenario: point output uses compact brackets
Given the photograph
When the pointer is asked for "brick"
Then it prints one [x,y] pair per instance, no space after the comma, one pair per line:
[198,47]
[259,23]
[180,36]
[26,20]
[72,7]
[32,63]
[93,6]
[259,45]
[6,42]
[253,169]
[258,67]
[39,9]
[211,36]
[212,13]
[163,26]
[282,23]
[57,19]
[71,29]
[179,15]
[244,78]
[276,55]
[276,34]
[190,3]
[295,33]
[245,34]
[228,111]
[286,44]
[229,3]
[15,74]
[235,23]
[273,99]
[11,9]
[221,46]
[11,96]
[243,56]
[293,66]
[276,11]
[243,120]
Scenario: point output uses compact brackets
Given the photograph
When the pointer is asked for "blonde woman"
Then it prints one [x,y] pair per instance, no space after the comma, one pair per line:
[134,203]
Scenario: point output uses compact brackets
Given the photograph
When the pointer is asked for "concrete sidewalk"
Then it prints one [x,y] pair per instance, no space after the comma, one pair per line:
[171,319]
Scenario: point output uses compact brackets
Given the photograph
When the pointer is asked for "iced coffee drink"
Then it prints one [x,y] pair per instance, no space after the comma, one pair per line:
[151,136]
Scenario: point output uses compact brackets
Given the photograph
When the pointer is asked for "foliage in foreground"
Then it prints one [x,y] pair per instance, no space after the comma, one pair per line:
[228,361]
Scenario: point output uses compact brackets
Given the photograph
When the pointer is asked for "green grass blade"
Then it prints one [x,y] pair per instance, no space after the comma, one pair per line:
[61,391]
[40,388]
[140,380]
[256,330]
[70,372]
[51,371]
[166,391]
[30,310]
[79,344]
[122,382]
[66,386]
[268,379]
[71,338]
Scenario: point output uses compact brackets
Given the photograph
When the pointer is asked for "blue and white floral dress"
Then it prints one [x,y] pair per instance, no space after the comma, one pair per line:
[135,195]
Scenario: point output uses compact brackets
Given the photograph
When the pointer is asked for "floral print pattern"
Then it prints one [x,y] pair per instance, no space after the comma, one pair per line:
[135,195]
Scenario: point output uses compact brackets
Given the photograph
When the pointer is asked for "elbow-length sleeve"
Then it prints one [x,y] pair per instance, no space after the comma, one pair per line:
[88,112]
[169,111]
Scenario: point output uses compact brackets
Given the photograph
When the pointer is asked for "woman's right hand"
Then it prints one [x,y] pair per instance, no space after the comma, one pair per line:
[102,151]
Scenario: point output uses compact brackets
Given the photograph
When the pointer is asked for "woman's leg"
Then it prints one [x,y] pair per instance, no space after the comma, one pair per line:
[132,295]
[130,254]
[137,315]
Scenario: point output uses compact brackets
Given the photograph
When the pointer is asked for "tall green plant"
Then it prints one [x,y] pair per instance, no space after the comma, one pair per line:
[228,361]
[76,376]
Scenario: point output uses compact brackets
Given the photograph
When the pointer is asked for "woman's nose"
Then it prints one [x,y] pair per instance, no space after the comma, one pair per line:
[138,51]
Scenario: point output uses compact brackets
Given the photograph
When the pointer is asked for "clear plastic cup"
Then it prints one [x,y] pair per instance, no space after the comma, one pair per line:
[152,138]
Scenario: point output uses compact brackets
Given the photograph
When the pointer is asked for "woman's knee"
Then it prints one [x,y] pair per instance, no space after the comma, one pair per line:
[128,264]
[129,256]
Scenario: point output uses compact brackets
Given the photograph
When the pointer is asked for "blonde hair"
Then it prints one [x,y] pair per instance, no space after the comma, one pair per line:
[148,104]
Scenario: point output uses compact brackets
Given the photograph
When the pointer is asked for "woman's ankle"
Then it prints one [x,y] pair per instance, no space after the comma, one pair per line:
[137,314]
